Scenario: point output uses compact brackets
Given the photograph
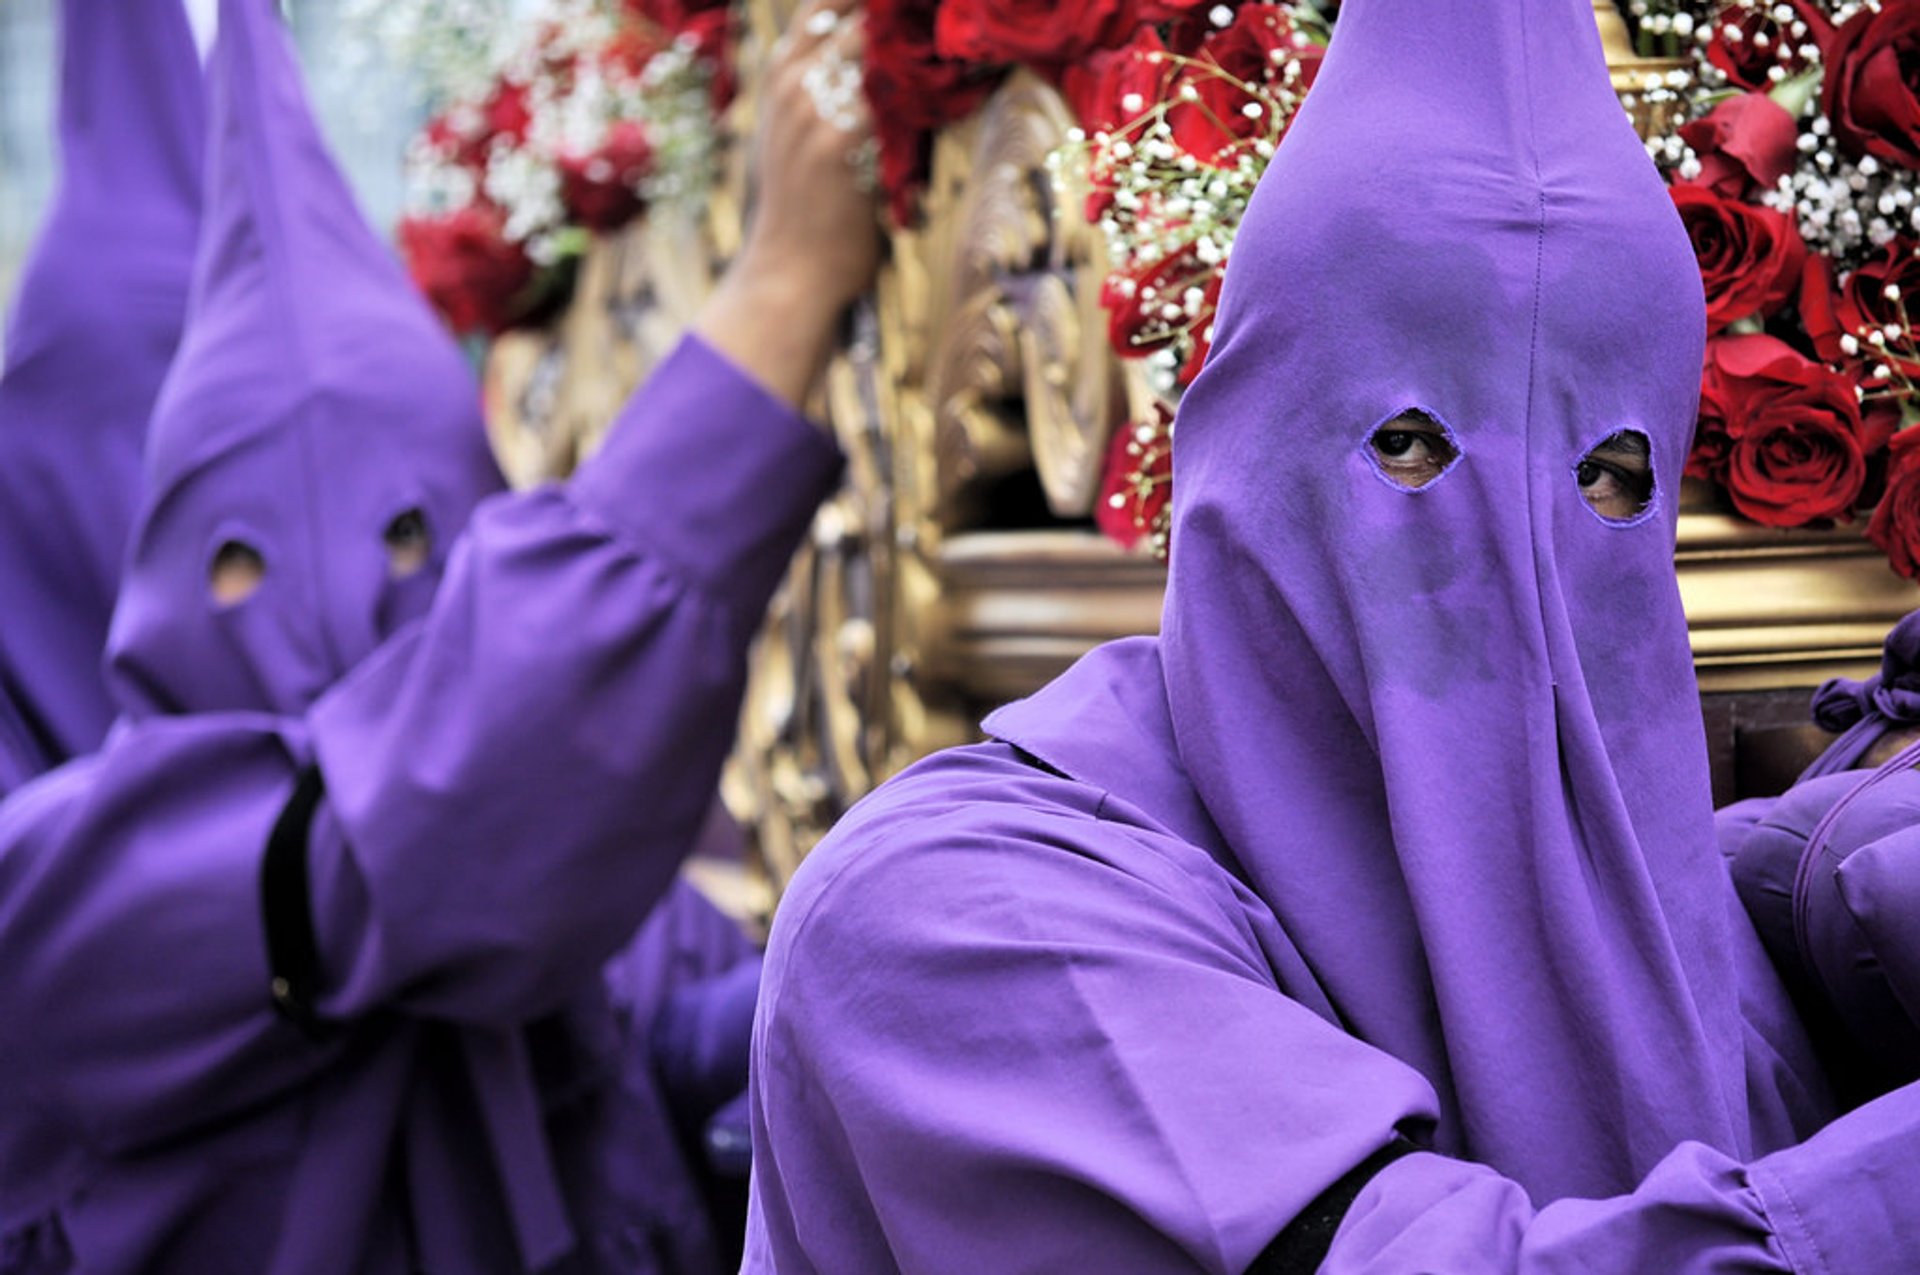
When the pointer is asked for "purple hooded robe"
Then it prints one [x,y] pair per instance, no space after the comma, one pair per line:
[1371,917]
[322,963]
[93,326]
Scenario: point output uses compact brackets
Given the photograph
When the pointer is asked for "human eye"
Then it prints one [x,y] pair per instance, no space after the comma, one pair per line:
[1412,449]
[1616,477]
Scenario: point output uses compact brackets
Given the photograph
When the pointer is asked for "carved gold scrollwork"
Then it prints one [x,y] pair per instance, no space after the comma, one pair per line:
[1023,376]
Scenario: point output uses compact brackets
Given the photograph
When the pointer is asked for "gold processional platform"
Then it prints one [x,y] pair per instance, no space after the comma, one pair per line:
[974,394]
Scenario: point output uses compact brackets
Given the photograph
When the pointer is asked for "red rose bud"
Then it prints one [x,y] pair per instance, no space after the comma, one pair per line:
[601,191]
[1843,318]
[1254,50]
[907,81]
[1868,93]
[1819,307]
[1203,331]
[631,47]
[1148,309]
[1111,89]
[1712,439]
[507,114]
[1895,527]
[1764,42]
[1750,257]
[674,15]
[913,92]
[1039,32]
[466,266]
[1746,143]
[1136,483]
[1177,10]
[1795,452]
[466,133]
[712,35]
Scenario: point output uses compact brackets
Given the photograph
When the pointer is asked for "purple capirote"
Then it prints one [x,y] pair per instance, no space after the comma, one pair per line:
[1401,828]
[91,331]
[518,744]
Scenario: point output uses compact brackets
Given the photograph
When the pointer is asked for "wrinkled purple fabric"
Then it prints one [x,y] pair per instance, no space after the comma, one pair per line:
[519,744]
[1403,824]
[89,337]
[1862,712]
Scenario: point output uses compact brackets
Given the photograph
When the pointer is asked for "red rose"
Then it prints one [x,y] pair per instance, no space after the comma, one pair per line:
[1744,143]
[712,36]
[1175,10]
[601,190]
[1712,439]
[632,46]
[466,133]
[1764,42]
[907,80]
[1794,452]
[1136,483]
[1860,306]
[1750,257]
[674,15]
[1113,88]
[1203,330]
[1149,308]
[1042,32]
[506,113]
[914,92]
[468,269]
[1895,527]
[1256,49]
[1112,92]
[1873,68]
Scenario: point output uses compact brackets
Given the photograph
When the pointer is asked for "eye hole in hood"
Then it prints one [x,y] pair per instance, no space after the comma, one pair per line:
[1412,450]
[236,573]
[1615,477]
[409,544]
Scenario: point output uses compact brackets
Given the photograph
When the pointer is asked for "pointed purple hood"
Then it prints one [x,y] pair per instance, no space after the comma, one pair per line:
[92,329]
[315,400]
[1453,733]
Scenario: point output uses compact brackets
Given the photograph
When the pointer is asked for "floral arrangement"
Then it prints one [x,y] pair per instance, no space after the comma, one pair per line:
[1793,155]
[1177,128]
[552,129]
[1789,132]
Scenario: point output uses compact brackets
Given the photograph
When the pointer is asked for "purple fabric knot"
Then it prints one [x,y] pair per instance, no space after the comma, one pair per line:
[1896,692]
[1841,702]
[1862,712]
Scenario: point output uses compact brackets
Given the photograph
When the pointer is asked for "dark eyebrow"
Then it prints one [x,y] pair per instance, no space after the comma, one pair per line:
[1627,441]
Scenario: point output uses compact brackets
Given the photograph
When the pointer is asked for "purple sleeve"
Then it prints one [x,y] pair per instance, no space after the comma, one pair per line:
[512,785]
[1032,1040]
[1842,1202]
[134,1003]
